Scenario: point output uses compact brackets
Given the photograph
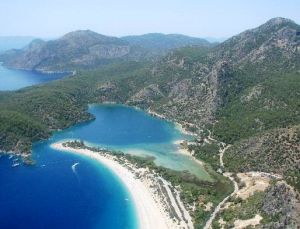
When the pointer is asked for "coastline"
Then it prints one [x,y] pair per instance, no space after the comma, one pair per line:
[183,150]
[146,191]
[179,143]
[178,125]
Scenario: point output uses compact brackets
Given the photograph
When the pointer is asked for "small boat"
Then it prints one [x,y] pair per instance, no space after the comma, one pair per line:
[15,164]
[10,157]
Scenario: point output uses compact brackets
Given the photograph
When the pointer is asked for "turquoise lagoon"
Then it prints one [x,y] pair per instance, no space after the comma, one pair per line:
[64,190]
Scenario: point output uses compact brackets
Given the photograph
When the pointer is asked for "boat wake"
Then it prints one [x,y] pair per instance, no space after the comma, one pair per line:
[74,168]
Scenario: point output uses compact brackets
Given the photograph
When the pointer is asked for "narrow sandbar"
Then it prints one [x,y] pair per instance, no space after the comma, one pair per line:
[150,210]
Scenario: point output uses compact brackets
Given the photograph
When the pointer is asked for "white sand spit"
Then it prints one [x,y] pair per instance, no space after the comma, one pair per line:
[150,208]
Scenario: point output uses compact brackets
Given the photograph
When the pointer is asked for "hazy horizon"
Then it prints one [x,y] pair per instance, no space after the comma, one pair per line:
[205,19]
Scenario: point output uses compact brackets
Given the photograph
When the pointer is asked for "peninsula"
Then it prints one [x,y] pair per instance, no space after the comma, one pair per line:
[239,98]
[157,202]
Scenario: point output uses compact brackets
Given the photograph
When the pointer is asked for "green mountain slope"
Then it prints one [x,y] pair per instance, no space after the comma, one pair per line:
[87,49]
[246,91]
[197,85]
[73,50]
[161,43]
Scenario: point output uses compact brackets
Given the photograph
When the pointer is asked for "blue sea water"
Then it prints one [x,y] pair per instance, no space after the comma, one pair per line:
[11,79]
[64,190]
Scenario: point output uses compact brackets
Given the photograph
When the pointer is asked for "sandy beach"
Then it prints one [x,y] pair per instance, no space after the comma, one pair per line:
[185,151]
[150,206]
[180,148]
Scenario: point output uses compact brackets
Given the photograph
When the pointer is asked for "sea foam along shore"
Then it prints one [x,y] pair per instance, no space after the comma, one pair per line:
[150,204]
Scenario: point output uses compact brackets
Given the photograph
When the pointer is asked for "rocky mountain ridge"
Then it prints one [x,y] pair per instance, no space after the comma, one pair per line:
[87,49]
[213,74]
[245,92]
[162,43]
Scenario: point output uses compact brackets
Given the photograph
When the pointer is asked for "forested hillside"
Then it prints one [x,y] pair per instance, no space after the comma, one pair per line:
[245,91]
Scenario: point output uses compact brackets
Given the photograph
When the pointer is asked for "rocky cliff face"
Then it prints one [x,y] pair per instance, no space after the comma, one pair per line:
[188,93]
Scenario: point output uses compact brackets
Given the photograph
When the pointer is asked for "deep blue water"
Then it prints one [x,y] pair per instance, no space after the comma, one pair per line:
[52,194]
[11,79]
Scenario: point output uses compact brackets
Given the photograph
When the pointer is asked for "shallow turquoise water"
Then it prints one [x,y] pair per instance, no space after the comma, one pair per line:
[64,190]
[132,131]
